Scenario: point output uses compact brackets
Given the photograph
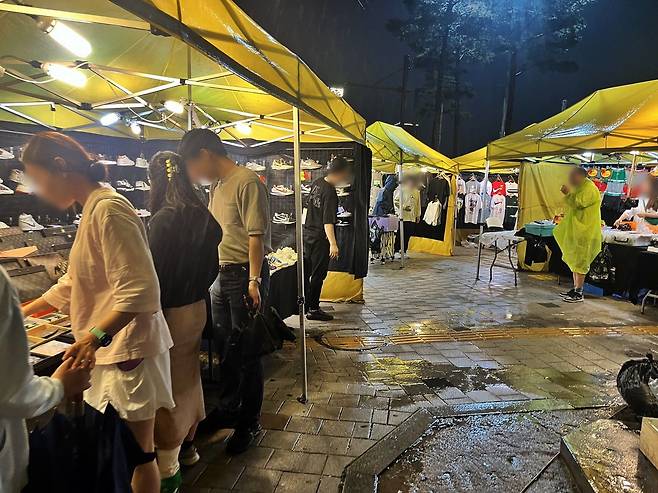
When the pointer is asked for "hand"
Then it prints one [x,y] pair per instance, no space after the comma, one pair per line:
[83,352]
[617,222]
[74,380]
[254,294]
[564,189]
[333,251]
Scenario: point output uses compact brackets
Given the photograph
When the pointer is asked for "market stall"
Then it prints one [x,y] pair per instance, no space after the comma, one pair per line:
[140,73]
[613,133]
[395,151]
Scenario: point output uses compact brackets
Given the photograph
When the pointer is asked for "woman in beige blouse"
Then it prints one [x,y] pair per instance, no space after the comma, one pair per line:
[111,292]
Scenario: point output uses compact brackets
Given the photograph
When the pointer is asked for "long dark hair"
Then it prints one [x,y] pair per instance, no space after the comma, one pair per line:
[43,148]
[170,185]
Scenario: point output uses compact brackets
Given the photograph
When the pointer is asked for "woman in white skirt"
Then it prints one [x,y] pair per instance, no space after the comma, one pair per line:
[184,240]
[111,292]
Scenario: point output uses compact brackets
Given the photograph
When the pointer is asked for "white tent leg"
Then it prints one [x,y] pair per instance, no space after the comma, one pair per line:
[402,252]
[481,219]
[303,398]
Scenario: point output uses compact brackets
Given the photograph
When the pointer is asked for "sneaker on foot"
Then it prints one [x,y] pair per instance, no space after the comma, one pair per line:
[242,439]
[189,455]
[574,297]
[217,420]
[320,315]
[172,484]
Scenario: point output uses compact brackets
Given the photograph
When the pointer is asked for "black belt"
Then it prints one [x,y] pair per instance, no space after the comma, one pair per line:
[233,267]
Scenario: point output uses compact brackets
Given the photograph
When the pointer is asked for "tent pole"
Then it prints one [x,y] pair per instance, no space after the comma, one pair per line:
[483,193]
[633,170]
[402,252]
[303,398]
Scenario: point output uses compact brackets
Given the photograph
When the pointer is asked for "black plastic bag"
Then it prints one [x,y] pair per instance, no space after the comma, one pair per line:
[633,385]
[92,453]
[264,333]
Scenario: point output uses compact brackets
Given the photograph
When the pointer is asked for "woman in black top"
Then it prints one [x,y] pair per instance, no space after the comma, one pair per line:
[184,239]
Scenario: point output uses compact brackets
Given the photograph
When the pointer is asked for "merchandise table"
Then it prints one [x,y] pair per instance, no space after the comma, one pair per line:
[501,241]
[282,295]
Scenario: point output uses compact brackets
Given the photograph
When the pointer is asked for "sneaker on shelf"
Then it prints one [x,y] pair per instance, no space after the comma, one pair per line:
[124,160]
[142,185]
[341,223]
[253,166]
[143,213]
[23,183]
[281,191]
[310,164]
[306,189]
[27,223]
[574,297]
[105,184]
[77,219]
[4,154]
[342,192]
[104,160]
[344,185]
[5,190]
[319,315]
[283,218]
[4,225]
[342,212]
[140,162]
[124,186]
[281,164]
[189,455]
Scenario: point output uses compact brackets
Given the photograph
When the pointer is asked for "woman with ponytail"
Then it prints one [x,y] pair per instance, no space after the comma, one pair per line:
[184,240]
[111,292]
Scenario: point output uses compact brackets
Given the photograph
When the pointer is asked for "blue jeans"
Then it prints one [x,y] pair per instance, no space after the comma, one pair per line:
[241,381]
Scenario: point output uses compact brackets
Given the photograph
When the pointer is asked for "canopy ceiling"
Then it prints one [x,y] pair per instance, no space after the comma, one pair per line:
[146,52]
[618,119]
[390,144]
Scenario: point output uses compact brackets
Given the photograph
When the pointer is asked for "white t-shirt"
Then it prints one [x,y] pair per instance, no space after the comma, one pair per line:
[473,204]
[110,268]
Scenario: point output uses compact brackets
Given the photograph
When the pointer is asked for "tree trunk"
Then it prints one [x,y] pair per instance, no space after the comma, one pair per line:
[510,93]
[456,122]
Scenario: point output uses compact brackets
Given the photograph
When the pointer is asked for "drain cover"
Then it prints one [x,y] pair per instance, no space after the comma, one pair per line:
[351,340]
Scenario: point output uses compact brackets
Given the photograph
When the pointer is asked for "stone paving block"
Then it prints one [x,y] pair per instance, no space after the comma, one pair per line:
[291,482]
[279,439]
[258,480]
[374,402]
[329,485]
[356,414]
[285,460]
[380,416]
[220,476]
[450,393]
[295,408]
[336,464]
[322,444]
[379,431]
[271,421]
[461,362]
[253,457]
[301,424]
[358,446]
[337,428]
[324,411]
[344,400]
[397,417]
[362,430]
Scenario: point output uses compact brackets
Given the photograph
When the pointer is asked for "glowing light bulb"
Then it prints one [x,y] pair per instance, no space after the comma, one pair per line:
[136,128]
[68,38]
[174,106]
[243,128]
[65,74]
[109,119]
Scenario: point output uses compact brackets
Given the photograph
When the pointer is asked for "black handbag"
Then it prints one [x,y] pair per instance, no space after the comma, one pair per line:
[264,333]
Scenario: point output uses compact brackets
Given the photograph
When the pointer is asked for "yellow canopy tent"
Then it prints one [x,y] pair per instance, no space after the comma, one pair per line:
[476,161]
[393,148]
[212,64]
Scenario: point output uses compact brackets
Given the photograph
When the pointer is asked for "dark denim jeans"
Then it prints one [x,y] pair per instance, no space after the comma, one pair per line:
[240,381]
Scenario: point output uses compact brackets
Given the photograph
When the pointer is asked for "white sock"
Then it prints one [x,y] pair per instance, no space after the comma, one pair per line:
[168,462]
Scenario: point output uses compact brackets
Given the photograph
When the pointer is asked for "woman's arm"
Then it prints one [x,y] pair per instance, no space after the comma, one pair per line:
[38,305]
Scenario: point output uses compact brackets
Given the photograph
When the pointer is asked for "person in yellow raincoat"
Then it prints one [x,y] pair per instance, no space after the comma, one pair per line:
[579,233]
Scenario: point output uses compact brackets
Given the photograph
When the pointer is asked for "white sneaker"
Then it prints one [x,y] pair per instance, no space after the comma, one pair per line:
[27,223]
[4,225]
[255,166]
[140,162]
[281,164]
[310,164]
[283,218]
[342,223]
[281,191]
[18,177]
[5,190]
[103,160]
[124,186]
[6,154]
[142,185]
[306,189]
[143,213]
[124,160]
[343,213]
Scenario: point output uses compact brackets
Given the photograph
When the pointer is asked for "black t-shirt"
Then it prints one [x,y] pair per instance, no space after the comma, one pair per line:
[321,208]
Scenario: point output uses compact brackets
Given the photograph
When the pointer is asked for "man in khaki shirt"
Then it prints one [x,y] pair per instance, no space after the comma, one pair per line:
[239,202]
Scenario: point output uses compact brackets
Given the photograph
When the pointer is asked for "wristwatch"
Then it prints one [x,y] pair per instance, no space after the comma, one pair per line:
[104,339]
[257,280]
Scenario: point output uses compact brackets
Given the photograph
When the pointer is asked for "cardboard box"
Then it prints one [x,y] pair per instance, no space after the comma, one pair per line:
[649,440]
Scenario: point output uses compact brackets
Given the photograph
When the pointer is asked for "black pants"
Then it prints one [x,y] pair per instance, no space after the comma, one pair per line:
[316,265]
[240,380]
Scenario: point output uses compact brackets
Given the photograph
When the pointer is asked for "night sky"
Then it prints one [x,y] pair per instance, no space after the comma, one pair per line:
[343,43]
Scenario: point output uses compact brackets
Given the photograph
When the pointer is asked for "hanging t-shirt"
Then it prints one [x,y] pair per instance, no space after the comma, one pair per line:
[472,186]
[512,188]
[473,203]
[498,203]
[322,208]
[486,188]
[433,213]
[461,186]
[498,188]
[438,188]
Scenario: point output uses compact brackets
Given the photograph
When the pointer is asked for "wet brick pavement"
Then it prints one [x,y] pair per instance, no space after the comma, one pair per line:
[427,336]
